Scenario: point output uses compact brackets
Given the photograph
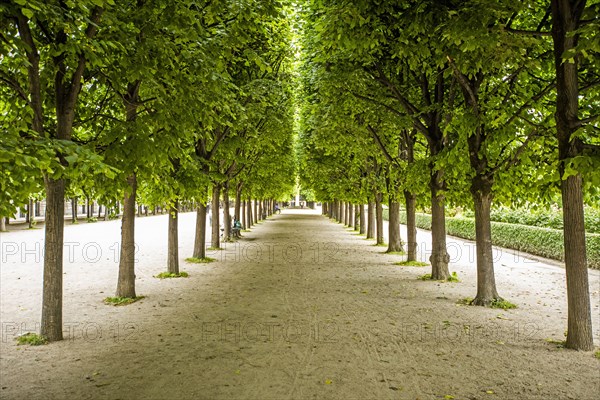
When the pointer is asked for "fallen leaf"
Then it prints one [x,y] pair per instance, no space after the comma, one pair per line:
[328,381]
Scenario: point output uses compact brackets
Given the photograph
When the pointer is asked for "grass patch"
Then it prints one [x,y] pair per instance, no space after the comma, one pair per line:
[503,304]
[411,264]
[32,339]
[380,245]
[396,253]
[465,301]
[122,301]
[558,343]
[166,275]
[215,248]
[196,260]
[453,277]
[597,354]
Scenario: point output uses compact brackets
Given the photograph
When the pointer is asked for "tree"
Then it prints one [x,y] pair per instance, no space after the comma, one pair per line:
[52,43]
[572,22]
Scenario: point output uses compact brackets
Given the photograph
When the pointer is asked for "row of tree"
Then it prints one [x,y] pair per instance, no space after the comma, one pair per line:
[456,102]
[143,102]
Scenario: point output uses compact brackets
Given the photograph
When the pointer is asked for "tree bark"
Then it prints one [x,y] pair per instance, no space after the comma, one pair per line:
[350,209]
[370,220]
[346,213]
[238,202]
[486,281]
[330,209]
[411,225]
[379,217]
[395,243]
[30,214]
[200,240]
[566,17]
[74,210]
[361,219]
[439,255]
[215,242]
[255,217]
[173,252]
[249,221]
[2,224]
[261,211]
[126,282]
[226,213]
[51,325]
[243,214]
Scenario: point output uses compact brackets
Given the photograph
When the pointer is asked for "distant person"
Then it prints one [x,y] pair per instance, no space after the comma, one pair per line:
[277,210]
[237,228]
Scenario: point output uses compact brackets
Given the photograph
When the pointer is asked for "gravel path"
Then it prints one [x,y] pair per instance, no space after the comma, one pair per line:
[300,308]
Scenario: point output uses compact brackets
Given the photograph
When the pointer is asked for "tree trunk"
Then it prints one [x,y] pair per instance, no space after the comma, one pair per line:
[249,221]
[411,225]
[566,16]
[370,221]
[89,208]
[356,217]
[2,224]
[362,219]
[51,325]
[215,242]
[379,217]
[324,208]
[350,215]
[243,214]
[238,202]
[226,213]
[126,282]
[30,214]
[330,208]
[173,242]
[256,217]
[74,210]
[395,243]
[486,281]
[200,240]
[439,255]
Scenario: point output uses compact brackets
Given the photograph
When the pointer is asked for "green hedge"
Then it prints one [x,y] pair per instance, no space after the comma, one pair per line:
[529,239]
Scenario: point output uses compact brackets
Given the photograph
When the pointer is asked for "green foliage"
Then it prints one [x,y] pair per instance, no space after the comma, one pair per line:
[32,339]
[543,242]
[411,264]
[122,301]
[166,275]
[196,260]
[502,304]
[425,277]
[597,354]
[92,219]
[465,301]
[453,277]
[541,217]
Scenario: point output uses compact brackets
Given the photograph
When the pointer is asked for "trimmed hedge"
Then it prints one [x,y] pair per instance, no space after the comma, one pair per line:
[543,242]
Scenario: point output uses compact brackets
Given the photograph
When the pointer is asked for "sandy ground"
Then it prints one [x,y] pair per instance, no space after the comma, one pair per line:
[300,308]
